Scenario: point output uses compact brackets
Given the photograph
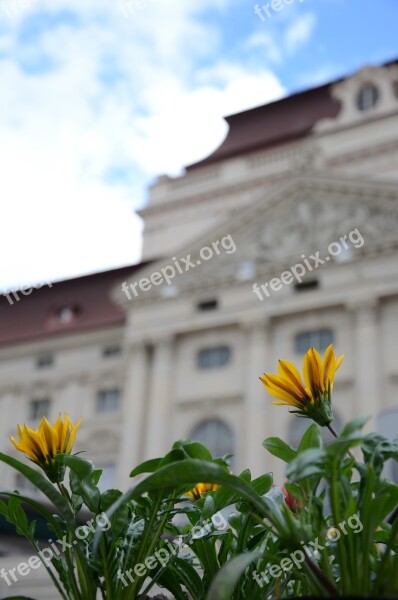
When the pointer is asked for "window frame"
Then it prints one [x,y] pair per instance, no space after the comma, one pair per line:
[36,402]
[315,343]
[206,358]
[361,97]
[101,406]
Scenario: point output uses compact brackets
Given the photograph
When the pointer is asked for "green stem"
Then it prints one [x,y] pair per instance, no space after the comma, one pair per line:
[49,571]
[69,551]
[130,591]
[334,493]
[106,571]
[384,560]
[320,577]
[336,435]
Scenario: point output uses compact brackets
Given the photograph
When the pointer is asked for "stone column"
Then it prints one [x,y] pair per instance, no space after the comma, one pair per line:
[258,414]
[157,436]
[366,365]
[133,413]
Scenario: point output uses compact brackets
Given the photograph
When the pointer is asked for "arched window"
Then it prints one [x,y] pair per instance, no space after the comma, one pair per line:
[367,97]
[300,425]
[216,436]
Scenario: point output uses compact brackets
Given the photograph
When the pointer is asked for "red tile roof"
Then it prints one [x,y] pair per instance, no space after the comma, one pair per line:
[35,316]
[276,123]
[273,124]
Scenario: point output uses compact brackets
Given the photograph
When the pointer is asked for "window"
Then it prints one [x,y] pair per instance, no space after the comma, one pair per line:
[45,361]
[395,88]
[65,315]
[108,477]
[207,305]
[109,351]
[108,401]
[367,97]
[319,339]
[216,436]
[39,408]
[212,358]
[306,286]
[246,271]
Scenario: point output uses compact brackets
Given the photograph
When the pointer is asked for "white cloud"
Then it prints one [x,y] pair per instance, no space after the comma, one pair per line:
[300,31]
[95,96]
[263,41]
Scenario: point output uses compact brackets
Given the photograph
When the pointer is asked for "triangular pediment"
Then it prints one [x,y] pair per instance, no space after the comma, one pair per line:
[298,218]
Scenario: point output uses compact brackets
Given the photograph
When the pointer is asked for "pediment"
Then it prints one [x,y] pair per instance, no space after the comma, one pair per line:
[301,217]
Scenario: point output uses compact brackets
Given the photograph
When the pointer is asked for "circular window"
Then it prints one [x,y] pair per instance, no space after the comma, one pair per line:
[367,97]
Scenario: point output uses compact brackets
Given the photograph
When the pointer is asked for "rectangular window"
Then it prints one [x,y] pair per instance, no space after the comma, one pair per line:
[39,408]
[319,339]
[206,305]
[108,401]
[45,361]
[212,358]
[109,351]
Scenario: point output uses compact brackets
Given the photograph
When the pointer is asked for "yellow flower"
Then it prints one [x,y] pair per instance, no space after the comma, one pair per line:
[311,398]
[42,445]
[200,488]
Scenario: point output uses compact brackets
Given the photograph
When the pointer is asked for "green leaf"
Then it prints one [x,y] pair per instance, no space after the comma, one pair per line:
[311,438]
[280,449]
[208,508]
[36,506]
[307,463]
[108,498]
[377,449]
[205,550]
[188,575]
[170,582]
[18,598]
[43,485]
[340,446]
[262,484]
[18,516]
[354,427]
[83,479]
[227,578]
[191,471]
[198,451]
[149,466]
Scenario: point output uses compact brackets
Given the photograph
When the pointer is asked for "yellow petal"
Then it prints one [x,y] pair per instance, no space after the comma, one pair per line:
[291,373]
[71,438]
[35,442]
[280,388]
[312,370]
[50,436]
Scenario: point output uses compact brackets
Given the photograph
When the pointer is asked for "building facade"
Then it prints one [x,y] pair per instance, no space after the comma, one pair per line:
[285,237]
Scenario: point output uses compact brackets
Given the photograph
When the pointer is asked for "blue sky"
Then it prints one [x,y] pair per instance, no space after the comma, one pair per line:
[99,97]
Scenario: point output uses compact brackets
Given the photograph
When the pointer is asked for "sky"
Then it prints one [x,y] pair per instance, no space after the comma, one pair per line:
[99,97]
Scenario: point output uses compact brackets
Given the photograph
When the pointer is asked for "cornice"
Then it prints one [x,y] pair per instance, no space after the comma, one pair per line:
[62,342]
[374,194]
[373,151]
[300,155]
